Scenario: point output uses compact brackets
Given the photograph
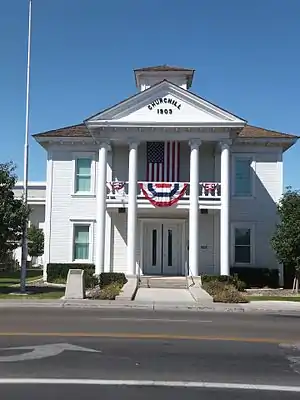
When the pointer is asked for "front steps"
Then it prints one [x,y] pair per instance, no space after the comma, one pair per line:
[163,282]
[173,288]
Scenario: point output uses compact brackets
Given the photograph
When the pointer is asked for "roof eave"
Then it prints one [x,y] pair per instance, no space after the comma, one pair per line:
[284,142]
[117,124]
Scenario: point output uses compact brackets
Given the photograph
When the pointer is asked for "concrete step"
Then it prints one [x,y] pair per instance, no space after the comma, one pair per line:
[164,282]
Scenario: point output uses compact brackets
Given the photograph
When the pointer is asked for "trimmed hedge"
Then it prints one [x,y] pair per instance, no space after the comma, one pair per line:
[58,273]
[229,280]
[257,277]
[109,292]
[107,278]
[223,292]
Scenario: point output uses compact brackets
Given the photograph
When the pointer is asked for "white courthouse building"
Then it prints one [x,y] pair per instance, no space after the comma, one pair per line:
[162,183]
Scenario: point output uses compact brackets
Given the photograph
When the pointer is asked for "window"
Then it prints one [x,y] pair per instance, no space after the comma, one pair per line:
[154,246]
[170,247]
[83,175]
[243,177]
[81,245]
[242,245]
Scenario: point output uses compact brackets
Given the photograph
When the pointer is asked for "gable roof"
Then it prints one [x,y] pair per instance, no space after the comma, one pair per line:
[250,131]
[161,85]
[81,131]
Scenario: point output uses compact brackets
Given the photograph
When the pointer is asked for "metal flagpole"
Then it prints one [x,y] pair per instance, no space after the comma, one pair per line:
[25,179]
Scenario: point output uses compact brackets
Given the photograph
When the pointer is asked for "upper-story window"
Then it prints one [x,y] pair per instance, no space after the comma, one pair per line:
[83,171]
[243,176]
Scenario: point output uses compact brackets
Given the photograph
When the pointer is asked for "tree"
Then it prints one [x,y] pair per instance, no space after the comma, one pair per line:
[35,241]
[13,212]
[286,240]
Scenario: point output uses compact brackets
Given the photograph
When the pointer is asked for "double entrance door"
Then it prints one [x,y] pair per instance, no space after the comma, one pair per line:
[163,248]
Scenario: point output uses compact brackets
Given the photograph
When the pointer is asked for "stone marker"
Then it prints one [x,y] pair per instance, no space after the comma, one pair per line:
[75,288]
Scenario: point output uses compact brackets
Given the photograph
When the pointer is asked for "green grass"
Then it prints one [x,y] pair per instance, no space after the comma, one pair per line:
[35,296]
[9,283]
[274,298]
[12,278]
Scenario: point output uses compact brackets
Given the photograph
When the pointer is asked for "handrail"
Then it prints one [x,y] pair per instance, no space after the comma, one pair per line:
[187,270]
[207,190]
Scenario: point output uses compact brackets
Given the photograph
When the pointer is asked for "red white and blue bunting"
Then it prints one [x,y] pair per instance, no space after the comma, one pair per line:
[163,194]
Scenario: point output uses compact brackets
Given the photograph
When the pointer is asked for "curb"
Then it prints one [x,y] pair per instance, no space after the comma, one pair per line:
[122,305]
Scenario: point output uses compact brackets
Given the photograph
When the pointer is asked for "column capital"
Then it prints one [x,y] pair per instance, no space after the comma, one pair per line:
[195,143]
[105,144]
[133,143]
[225,143]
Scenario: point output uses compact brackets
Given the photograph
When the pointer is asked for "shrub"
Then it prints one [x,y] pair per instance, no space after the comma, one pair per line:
[106,278]
[257,277]
[213,287]
[57,273]
[231,280]
[223,292]
[229,294]
[109,292]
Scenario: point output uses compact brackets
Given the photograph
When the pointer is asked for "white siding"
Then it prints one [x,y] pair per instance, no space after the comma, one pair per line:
[268,171]
[119,240]
[36,192]
[208,242]
[260,211]
[66,207]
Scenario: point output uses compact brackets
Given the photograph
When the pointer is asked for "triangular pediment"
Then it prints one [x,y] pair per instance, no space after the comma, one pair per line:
[166,103]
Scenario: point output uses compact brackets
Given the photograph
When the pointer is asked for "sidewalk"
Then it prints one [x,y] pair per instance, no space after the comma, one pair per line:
[257,306]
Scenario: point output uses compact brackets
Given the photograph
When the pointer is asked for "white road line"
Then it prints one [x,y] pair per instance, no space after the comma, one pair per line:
[183,384]
[152,320]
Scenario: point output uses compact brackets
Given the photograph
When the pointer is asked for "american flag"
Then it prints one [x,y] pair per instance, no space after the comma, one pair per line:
[163,161]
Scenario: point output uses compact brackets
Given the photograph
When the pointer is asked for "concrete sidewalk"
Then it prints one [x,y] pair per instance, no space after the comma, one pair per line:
[257,306]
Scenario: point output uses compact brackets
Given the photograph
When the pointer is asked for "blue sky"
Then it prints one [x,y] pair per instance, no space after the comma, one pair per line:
[246,55]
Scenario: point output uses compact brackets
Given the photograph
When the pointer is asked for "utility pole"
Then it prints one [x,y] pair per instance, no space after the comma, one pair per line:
[25,179]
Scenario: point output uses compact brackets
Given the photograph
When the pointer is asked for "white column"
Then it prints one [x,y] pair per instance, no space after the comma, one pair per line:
[225,204]
[108,221]
[101,208]
[194,207]
[132,208]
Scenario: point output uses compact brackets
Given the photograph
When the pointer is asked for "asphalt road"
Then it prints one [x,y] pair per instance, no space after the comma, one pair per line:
[137,345]
[77,392]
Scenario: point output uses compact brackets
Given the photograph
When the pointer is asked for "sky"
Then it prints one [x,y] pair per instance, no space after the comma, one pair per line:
[246,55]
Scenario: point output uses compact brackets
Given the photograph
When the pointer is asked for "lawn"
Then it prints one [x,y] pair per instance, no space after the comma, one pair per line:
[53,294]
[9,283]
[273,298]
[13,278]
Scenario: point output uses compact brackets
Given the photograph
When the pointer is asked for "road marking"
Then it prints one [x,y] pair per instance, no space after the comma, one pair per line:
[42,351]
[149,336]
[193,321]
[171,384]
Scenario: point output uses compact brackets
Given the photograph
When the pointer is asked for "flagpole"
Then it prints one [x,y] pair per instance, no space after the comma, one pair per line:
[25,179]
